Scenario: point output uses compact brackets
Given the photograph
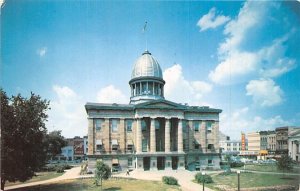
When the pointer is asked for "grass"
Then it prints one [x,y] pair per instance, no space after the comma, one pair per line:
[39,177]
[108,185]
[266,168]
[250,180]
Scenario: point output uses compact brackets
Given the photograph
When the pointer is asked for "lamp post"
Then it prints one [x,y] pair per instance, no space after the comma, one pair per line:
[203,174]
[238,173]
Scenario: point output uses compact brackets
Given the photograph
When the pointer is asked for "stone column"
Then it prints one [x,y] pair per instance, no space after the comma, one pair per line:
[138,136]
[168,163]
[91,135]
[180,138]
[152,136]
[167,135]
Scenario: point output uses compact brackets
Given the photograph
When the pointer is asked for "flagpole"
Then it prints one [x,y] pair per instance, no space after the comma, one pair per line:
[145,32]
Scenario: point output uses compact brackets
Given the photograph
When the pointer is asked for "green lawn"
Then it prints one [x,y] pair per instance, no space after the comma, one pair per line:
[250,180]
[39,177]
[266,168]
[108,185]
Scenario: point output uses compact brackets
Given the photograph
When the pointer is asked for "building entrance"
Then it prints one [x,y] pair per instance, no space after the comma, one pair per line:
[160,163]
[146,163]
[174,163]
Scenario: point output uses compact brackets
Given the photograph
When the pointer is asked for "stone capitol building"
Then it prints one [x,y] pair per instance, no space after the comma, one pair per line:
[152,133]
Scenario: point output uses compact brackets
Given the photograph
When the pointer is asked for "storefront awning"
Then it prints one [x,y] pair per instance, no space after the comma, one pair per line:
[114,142]
[115,161]
[98,142]
[263,152]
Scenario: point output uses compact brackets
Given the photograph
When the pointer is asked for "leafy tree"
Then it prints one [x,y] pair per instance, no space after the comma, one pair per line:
[102,172]
[54,142]
[22,133]
[203,178]
[285,163]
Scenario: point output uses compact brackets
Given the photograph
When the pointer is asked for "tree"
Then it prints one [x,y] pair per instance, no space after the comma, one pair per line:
[285,163]
[23,151]
[102,172]
[54,142]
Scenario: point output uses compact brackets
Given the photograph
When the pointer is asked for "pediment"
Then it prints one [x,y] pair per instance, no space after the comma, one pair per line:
[160,104]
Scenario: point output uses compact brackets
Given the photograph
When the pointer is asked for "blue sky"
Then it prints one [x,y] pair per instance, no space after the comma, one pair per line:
[241,57]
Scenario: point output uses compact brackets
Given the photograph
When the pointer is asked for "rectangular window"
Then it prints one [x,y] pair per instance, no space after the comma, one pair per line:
[98,148]
[209,126]
[114,125]
[144,126]
[210,146]
[97,124]
[129,161]
[196,145]
[115,145]
[196,126]
[210,162]
[144,145]
[157,125]
[129,125]
[130,148]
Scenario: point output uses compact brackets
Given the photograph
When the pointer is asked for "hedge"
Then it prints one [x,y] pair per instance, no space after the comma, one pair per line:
[169,180]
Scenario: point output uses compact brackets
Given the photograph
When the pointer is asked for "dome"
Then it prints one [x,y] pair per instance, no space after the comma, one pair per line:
[146,66]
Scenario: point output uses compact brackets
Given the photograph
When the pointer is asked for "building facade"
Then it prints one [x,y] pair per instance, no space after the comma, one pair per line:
[152,133]
[293,142]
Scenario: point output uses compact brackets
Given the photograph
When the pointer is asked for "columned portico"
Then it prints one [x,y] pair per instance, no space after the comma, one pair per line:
[167,135]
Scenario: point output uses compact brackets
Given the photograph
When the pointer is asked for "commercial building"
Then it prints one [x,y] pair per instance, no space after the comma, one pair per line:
[152,133]
[253,146]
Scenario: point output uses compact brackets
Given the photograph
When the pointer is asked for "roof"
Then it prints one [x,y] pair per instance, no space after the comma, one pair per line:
[146,66]
[152,104]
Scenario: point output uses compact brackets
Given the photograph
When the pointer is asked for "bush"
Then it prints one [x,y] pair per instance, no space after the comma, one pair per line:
[60,169]
[236,164]
[169,180]
[203,178]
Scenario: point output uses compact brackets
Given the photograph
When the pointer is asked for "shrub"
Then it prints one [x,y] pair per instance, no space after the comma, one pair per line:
[60,169]
[169,180]
[203,178]
[236,164]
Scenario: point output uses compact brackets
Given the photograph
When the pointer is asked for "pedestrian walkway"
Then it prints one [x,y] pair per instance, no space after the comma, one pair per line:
[69,174]
[184,178]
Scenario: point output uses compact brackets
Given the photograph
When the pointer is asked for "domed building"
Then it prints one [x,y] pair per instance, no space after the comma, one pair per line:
[152,133]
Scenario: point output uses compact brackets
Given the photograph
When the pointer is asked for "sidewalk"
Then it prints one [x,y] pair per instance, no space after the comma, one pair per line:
[73,173]
[184,178]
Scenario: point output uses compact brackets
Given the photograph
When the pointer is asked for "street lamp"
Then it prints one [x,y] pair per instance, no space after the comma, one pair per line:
[203,174]
[238,173]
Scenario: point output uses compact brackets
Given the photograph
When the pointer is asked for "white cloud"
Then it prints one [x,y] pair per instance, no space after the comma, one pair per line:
[42,51]
[110,94]
[239,121]
[237,65]
[67,112]
[211,20]
[179,89]
[264,92]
